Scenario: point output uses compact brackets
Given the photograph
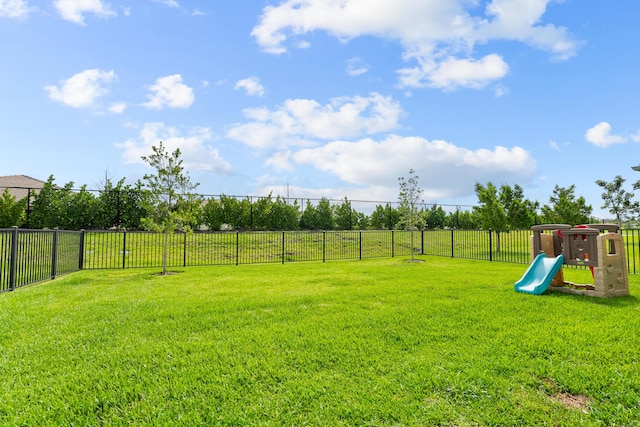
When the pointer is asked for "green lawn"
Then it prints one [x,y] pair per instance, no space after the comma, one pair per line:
[378,342]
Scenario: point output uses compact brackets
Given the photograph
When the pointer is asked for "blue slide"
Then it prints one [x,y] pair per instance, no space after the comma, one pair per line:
[539,275]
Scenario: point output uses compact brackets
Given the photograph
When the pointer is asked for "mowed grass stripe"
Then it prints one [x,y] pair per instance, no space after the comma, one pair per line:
[376,342]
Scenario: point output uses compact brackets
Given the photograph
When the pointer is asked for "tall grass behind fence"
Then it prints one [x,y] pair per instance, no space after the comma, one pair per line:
[29,256]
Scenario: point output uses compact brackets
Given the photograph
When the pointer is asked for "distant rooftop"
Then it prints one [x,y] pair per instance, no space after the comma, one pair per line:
[19,185]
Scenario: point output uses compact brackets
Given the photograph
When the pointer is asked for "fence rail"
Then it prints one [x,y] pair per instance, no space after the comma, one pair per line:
[29,256]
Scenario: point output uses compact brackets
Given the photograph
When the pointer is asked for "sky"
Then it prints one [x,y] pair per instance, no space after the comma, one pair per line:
[325,98]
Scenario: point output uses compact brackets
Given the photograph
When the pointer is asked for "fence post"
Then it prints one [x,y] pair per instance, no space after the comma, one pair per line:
[629,242]
[251,212]
[28,207]
[54,253]
[633,239]
[452,243]
[283,246]
[13,263]
[421,242]
[237,247]
[393,244]
[124,248]
[81,253]
[490,245]
[360,245]
[184,252]
[324,244]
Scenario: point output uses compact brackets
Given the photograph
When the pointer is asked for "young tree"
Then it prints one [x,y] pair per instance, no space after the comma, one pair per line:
[133,203]
[504,209]
[82,210]
[520,212]
[435,217]
[50,206]
[384,217]
[212,214]
[360,220]
[490,212]
[109,203]
[169,195]
[344,215]
[464,220]
[309,217]
[618,201]
[43,207]
[227,212]
[318,217]
[326,221]
[283,215]
[260,212]
[121,206]
[12,211]
[566,208]
[409,197]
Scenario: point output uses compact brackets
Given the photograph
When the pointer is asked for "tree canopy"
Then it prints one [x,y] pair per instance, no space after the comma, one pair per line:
[12,211]
[565,208]
[166,201]
[618,200]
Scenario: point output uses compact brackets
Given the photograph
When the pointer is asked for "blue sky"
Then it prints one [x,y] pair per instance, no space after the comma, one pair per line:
[325,98]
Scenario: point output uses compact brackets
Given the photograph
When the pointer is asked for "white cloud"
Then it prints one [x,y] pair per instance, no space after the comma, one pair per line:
[74,10]
[298,122]
[14,9]
[82,89]
[169,91]
[196,155]
[356,67]
[170,3]
[452,73]
[520,20]
[445,170]
[251,86]
[118,107]
[636,136]
[281,161]
[501,91]
[302,44]
[600,136]
[439,35]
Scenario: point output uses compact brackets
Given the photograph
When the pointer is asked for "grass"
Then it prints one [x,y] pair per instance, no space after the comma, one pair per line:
[379,342]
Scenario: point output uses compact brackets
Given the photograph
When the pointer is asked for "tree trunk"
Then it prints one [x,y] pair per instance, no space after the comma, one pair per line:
[164,253]
[412,256]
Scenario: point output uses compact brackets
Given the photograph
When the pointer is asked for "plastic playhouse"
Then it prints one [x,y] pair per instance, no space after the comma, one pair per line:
[597,246]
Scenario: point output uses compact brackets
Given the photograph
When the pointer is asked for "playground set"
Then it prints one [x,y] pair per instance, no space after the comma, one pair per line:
[597,246]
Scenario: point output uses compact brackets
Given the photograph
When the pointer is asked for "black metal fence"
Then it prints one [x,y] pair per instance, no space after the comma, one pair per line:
[136,249]
[632,249]
[29,256]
